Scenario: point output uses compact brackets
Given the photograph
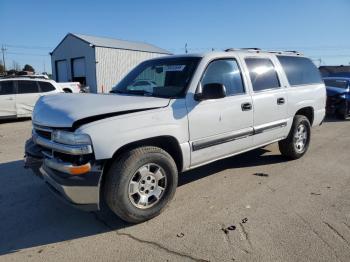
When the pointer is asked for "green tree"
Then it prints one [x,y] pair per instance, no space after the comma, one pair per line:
[28,68]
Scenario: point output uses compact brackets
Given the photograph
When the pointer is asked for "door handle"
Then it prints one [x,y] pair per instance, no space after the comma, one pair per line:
[246,106]
[281,101]
[10,98]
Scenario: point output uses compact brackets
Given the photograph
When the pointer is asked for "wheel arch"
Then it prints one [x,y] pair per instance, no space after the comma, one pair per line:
[168,143]
[308,112]
[67,90]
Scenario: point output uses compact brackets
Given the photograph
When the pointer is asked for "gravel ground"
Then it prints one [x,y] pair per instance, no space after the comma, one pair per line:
[298,211]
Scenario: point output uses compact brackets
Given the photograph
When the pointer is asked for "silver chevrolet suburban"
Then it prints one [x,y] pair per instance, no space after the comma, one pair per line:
[127,147]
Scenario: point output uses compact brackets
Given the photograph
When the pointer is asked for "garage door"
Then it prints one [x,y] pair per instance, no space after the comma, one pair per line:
[62,71]
[79,67]
[78,70]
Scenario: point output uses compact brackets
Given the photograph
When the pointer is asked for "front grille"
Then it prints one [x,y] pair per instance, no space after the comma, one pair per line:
[43,132]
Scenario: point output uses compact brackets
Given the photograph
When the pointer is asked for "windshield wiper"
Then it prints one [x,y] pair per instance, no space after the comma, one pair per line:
[115,91]
[133,92]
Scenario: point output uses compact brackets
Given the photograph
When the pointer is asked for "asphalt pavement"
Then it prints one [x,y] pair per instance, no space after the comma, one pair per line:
[253,207]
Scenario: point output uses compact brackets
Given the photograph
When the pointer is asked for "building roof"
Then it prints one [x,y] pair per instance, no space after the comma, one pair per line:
[119,44]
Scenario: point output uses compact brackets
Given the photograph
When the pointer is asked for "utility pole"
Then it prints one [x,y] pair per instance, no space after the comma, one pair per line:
[3,49]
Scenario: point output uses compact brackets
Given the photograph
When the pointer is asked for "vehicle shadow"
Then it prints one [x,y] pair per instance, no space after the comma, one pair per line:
[252,158]
[31,216]
[332,119]
[13,120]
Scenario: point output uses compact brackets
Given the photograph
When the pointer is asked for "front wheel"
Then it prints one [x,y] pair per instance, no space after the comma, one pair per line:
[298,140]
[140,183]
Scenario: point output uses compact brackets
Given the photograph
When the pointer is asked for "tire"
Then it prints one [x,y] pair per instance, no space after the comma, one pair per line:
[130,173]
[293,147]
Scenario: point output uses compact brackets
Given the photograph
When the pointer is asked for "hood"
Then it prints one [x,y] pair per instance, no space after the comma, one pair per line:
[63,110]
[333,91]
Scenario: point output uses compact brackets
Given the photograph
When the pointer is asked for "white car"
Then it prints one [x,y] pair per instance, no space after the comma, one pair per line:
[143,85]
[129,147]
[71,87]
[18,95]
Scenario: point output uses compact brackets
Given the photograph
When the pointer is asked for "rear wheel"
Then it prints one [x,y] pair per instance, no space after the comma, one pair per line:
[66,90]
[140,183]
[298,140]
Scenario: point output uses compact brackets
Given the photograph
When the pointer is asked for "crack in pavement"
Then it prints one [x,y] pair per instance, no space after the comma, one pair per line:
[154,244]
[229,243]
[246,235]
[336,232]
[318,235]
[346,225]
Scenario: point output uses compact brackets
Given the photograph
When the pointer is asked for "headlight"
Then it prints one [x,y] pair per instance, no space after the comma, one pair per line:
[70,138]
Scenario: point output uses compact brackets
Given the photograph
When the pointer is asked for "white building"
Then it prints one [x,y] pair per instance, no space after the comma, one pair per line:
[98,62]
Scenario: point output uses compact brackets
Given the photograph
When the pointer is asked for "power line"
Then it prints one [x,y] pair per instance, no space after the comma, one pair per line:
[16,53]
[29,47]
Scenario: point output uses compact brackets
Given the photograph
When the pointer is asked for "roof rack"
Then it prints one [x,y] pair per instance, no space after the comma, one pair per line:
[245,48]
[26,76]
[258,50]
[285,52]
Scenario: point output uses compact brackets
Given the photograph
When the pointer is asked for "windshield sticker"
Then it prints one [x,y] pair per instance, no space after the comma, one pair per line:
[174,68]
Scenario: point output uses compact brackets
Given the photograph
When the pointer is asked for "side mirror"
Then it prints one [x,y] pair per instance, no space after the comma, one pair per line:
[211,91]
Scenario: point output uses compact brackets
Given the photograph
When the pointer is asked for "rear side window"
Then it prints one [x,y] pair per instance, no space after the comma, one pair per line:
[336,83]
[27,87]
[226,72]
[7,88]
[300,70]
[262,74]
[46,86]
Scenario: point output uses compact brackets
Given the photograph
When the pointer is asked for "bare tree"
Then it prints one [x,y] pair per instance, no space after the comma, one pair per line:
[16,66]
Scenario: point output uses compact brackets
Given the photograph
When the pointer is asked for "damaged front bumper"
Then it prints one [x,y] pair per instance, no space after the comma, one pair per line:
[81,191]
[338,104]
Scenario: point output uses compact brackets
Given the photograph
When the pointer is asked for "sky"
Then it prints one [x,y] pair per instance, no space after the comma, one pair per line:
[318,28]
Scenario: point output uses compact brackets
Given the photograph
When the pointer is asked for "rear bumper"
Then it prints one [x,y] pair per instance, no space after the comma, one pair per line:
[80,191]
[319,116]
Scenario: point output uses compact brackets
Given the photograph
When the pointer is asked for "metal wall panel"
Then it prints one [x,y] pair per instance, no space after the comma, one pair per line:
[113,64]
[61,71]
[70,48]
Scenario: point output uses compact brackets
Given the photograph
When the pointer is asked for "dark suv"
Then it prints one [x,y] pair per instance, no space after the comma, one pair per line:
[338,96]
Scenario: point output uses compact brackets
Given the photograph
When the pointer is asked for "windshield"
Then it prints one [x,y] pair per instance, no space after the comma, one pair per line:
[165,77]
[336,83]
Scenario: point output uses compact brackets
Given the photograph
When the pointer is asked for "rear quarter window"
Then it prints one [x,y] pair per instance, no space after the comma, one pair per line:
[46,86]
[300,70]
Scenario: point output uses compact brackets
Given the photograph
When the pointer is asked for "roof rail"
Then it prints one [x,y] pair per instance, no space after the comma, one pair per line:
[285,52]
[258,50]
[26,76]
[246,48]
